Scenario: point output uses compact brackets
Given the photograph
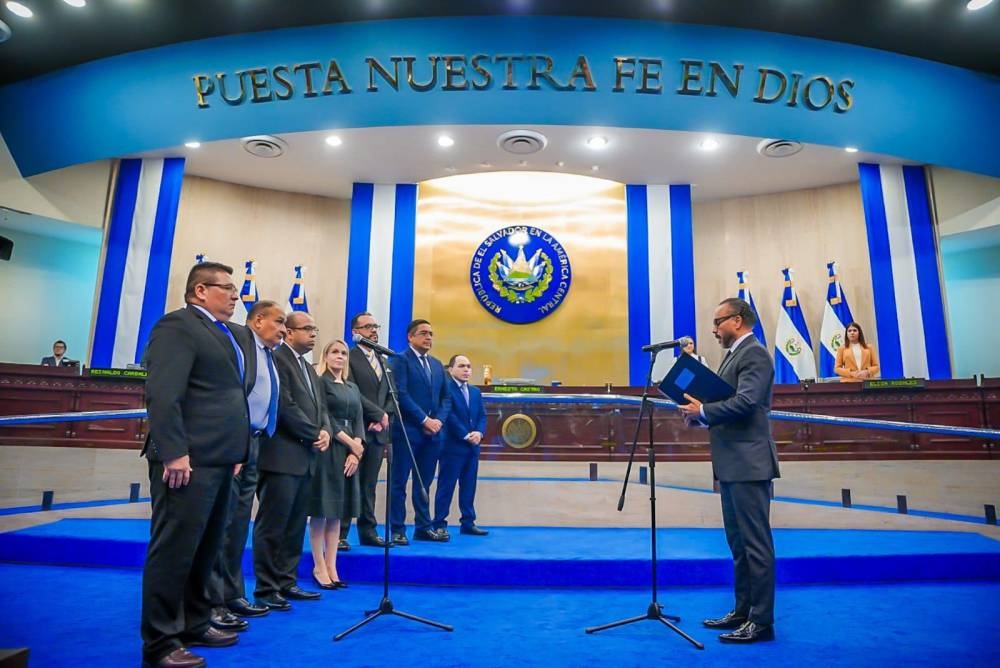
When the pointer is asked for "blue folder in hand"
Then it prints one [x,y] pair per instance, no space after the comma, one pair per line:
[689,376]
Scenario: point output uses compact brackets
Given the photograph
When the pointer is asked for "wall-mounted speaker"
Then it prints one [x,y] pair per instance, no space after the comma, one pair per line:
[6,248]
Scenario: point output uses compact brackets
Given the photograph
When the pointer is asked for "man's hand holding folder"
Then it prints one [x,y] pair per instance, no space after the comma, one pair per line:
[689,379]
[691,412]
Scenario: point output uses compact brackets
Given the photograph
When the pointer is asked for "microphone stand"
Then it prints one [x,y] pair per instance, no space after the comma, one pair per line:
[385,606]
[655,609]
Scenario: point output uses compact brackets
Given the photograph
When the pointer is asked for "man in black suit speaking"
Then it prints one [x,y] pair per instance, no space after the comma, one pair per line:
[745,461]
[286,464]
[199,430]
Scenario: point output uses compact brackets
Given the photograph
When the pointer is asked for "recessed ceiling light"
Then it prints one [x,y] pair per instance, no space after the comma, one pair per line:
[76,3]
[708,144]
[193,144]
[851,149]
[561,163]
[334,140]
[597,142]
[444,141]
[20,10]
[977,4]
[522,163]
[450,169]
[485,164]
[595,168]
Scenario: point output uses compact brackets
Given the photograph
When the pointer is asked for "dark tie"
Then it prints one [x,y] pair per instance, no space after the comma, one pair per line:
[465,393]
[239,353]
[272,405]
[308,376]
[725,359]
[426,367]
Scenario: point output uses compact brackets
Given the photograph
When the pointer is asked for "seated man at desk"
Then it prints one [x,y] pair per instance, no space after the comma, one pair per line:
[58,356]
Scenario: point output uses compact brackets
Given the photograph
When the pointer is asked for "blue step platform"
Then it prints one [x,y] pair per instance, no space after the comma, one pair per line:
[571,557]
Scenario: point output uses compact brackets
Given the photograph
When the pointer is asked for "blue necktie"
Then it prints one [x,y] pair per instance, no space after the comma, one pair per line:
[272,405]
[465,392]
[239,353]
[426,367]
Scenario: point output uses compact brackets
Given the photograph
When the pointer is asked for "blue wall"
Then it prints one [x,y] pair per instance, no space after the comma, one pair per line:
[47,292]
[972,286]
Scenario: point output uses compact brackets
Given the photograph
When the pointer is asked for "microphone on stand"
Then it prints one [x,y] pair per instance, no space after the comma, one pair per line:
[657,347]
[381,350]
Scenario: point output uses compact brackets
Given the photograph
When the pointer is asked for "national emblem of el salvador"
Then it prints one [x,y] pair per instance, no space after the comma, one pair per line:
[520,274]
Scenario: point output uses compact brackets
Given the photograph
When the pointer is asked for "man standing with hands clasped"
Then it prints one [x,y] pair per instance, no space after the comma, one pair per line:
[463,432]
[745,461]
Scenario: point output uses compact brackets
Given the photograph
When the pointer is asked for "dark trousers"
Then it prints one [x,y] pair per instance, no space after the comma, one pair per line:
[227,576]
[459,464]
[367,474]
[426,450]
[185,536]
[279,530]
[746,513]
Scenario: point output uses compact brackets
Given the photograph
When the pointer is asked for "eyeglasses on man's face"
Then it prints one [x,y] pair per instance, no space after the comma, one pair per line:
[227,287]
[718,321]
[371,327]
[309,329]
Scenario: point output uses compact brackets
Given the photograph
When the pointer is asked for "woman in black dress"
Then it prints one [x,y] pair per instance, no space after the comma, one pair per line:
[334,493]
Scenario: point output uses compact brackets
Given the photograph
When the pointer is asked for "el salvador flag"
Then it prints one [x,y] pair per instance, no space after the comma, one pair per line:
[297,298]
[745,294]
[793,354]
[836,316]
[248,294]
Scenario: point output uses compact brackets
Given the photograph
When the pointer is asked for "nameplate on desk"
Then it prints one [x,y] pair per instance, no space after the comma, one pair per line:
[118,373]
[894,384]
[515,389]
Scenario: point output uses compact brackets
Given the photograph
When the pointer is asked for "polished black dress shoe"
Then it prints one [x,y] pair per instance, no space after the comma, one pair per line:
[399,539]
[731,620]
[244,608]
[473,530]
[343,545]
[179,658]
[444,534]
[274,602]
[212,637]
[748,633]
[224,620]
[430,535]
[373,541]
[297,593]
[340,584]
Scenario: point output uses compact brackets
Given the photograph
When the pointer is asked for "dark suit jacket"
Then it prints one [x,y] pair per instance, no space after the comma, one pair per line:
[375,398]
[464,419]
[51,361]
[300,419]
[739,430]
[417,399]
[195,399]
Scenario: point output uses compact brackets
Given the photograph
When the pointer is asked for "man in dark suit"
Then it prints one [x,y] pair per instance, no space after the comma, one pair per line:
[425,402]
[58,355]
[463,432]
[199,431]
[287,461]
[367,373]
[264,332]
[745,461]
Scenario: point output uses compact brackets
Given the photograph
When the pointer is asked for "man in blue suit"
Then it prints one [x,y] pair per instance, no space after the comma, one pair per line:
[425,402]
[463,432]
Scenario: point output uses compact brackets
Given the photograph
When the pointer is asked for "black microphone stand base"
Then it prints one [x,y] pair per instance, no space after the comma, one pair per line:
[386,607]
[655,613]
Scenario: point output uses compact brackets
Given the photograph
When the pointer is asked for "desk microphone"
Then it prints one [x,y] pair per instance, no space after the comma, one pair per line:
[381,350]
[657,347]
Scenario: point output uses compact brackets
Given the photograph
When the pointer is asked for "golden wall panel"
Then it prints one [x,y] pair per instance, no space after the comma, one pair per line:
[582,341]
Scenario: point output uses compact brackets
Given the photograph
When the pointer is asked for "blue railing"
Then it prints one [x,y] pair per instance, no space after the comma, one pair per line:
[616,400]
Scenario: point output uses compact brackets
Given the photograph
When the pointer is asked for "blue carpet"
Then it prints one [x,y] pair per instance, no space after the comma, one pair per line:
[90,617]
[570,557]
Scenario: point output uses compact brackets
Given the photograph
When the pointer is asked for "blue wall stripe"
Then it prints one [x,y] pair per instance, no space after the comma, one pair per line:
[357,253]
[880,258]
[928,277]
[115,256]
[682,260]
[161,247]
[404,247]
[637,236]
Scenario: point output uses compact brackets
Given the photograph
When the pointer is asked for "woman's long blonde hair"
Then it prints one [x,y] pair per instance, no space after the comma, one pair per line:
[322,368]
